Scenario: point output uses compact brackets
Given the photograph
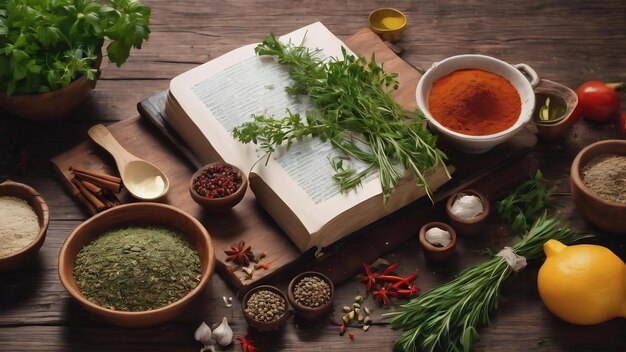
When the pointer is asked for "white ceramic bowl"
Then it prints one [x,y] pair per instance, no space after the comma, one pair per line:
[521,76]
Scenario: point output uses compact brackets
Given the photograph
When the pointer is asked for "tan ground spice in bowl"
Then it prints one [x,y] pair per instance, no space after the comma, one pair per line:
[605,175]
[19,225]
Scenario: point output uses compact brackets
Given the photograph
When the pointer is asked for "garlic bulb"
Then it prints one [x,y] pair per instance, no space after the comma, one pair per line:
[438,237]
[203,335]
[223,334]
[467,206]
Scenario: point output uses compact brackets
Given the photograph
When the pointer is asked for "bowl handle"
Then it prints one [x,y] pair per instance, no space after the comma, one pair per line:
[529,73]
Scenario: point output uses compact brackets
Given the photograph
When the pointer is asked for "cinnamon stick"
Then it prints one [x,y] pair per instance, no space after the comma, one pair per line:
[90,196]
[96,174]
[92,188]
[76,193]
[100,182]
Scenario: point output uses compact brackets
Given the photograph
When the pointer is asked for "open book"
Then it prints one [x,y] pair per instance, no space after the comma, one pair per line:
[295,185]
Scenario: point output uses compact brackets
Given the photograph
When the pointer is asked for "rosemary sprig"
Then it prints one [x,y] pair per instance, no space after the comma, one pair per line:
[446,317]
[526,203]
[355,112]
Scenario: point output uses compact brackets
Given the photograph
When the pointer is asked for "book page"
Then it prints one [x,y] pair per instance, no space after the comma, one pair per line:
[227,91]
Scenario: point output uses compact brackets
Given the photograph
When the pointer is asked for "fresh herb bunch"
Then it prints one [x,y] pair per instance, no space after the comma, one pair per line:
[45,45]
[355,112]
[446,317]
[526,203]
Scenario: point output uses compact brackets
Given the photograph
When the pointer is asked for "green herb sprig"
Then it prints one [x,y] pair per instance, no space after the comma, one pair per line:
[45,45]
[526,203]
[447,317]
[355,112]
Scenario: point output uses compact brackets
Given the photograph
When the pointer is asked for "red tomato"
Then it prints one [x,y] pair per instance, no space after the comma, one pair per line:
[622,122]
[598,102]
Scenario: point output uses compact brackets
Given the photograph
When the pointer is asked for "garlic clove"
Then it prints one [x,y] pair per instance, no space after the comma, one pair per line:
[203,335]
[223,334]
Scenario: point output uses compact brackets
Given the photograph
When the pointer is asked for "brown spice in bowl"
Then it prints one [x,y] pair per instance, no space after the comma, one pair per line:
[265,306]
[605,175]
[19,226]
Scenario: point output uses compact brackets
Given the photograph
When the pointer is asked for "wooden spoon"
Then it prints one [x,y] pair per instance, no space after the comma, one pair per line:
[142,179]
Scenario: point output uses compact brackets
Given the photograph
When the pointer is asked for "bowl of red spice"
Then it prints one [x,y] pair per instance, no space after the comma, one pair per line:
[218,186]
[24,221]
[598,184]
[475,102]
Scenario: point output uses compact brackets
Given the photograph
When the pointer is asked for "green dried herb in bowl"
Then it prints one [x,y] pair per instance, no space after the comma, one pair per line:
[137,268]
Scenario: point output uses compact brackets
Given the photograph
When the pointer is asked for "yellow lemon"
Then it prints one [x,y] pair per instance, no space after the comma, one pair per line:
[582,284]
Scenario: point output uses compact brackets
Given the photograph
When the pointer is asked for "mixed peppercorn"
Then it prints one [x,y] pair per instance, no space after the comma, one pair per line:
[217,181]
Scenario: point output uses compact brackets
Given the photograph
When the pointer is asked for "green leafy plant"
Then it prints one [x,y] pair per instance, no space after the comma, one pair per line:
[46,44]
[526,203]
[355,112]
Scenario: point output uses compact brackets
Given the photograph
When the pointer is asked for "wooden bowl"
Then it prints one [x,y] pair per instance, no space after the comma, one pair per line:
[265,325]
[388,23]
[128,214]
[432,252]
[219,204]
[53,105]
[559,127]
[604,214]
[468,226]
[36,201]
[305,312]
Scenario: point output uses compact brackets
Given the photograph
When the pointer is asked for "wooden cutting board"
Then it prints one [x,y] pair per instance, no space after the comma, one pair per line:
[248,222]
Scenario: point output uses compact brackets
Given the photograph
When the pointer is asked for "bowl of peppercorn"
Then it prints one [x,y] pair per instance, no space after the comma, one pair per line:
[311,295]
[218,186]
[265,308]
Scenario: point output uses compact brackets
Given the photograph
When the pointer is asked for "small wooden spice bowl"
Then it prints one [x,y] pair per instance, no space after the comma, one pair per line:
[604,214]
[132,214]
[35,200]
[222,203]
[471,226]
[265,325]
[306,312]
[559,127]
[388,23]
[434,253]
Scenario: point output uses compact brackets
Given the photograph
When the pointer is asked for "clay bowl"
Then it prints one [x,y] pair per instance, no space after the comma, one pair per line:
[434,253]
[53,105]
[605,214]
[36,201]
[265,325]
[128,214]
[471,226]
[388,23]
[306,312]
[223,203]
[560,126]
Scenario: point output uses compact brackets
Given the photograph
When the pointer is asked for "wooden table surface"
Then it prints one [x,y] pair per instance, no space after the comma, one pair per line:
[569,42]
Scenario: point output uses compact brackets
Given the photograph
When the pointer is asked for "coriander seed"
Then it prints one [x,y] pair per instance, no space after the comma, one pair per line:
[265,306]
[312,292]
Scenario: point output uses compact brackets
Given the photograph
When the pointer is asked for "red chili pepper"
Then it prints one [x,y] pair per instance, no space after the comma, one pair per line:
[382,294]
[342,329]
[407,292]
[247,345]
[351,336]
[408,281]
[369,278]
[390,269]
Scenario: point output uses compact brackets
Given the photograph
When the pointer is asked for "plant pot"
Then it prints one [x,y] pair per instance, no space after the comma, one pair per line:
[53,105]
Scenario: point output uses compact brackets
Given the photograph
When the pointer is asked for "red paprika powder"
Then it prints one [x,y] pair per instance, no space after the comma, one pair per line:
[474,102]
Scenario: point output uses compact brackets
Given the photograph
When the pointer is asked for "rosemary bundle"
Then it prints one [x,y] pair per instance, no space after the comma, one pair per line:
[355,112]
[446,317]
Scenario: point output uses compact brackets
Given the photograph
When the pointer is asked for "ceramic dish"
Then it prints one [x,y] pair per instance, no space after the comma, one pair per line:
[128,214]
[305,312]
[35,200]
[605,214]
[470,226]
[434,253]
[223,203]
[521,76]
[388,23]
[560,126]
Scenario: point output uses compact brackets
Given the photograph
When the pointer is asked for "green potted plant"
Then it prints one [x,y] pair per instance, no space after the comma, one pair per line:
[50,51]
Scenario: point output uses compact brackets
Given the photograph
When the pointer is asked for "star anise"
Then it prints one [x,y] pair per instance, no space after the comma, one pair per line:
[240,254]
